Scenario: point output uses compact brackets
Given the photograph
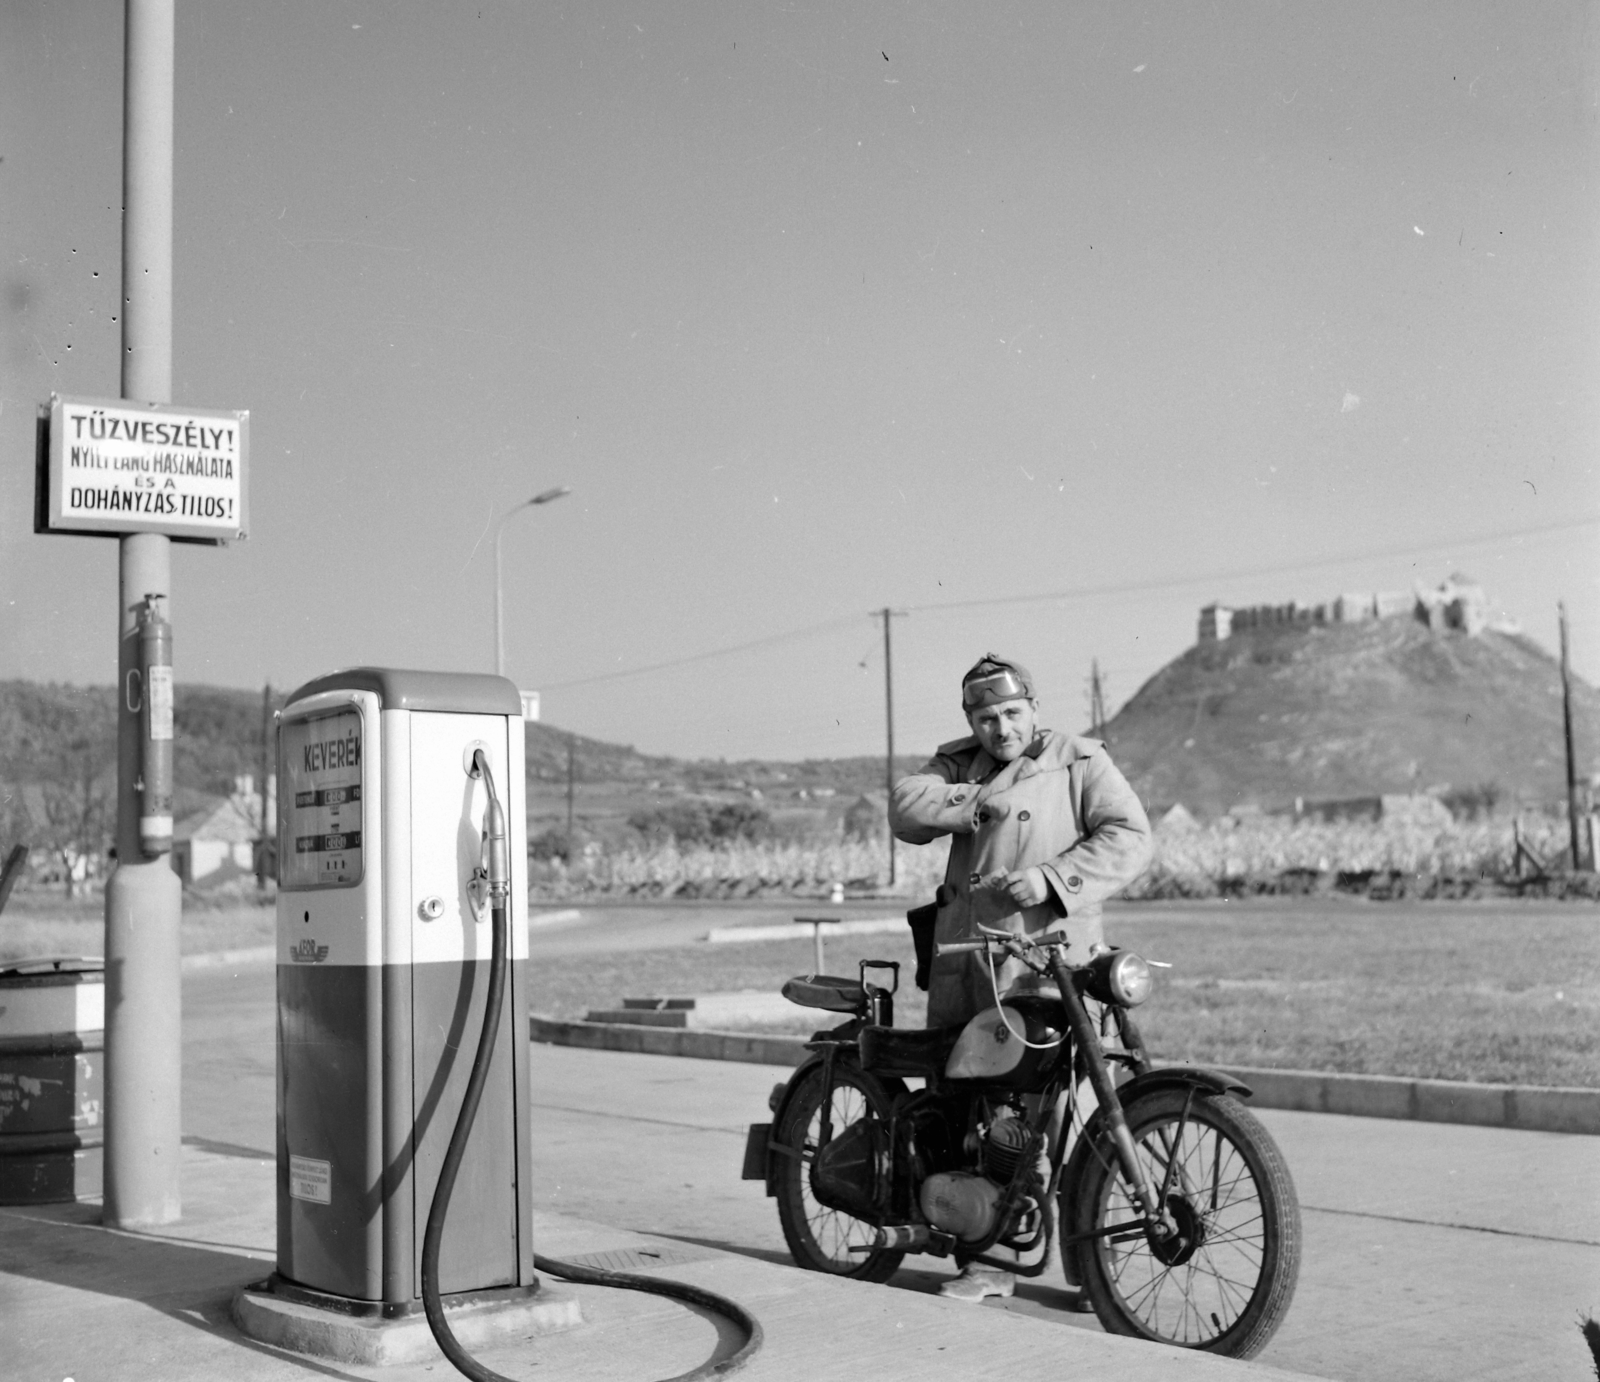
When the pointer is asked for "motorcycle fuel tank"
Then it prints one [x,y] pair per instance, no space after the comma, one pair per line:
[992,1048]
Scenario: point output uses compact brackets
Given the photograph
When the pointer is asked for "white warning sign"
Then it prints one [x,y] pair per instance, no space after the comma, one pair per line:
[310,1179]
[120,467]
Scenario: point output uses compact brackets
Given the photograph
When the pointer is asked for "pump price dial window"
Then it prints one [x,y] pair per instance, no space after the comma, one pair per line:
[319,776]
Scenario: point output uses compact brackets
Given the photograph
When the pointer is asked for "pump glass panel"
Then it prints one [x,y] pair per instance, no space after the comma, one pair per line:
[319,777]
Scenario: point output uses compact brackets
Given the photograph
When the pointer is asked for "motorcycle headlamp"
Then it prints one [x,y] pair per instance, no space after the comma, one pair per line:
[1120,977]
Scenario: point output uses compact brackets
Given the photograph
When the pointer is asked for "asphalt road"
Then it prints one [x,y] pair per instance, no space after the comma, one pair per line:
[1432,1251]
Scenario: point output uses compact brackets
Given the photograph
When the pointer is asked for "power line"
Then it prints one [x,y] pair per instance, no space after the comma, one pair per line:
[771,640]
[1178,582]
[1082,593]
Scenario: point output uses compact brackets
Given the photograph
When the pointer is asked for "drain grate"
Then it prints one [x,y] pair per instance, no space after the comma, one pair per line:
[636,1259]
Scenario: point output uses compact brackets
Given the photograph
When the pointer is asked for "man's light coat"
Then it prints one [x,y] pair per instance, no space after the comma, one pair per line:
[1061,806]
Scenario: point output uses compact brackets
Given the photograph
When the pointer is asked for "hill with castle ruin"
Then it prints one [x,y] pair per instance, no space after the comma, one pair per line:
[1359,697]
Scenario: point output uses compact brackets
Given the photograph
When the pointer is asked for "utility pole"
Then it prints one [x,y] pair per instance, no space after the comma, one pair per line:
[1097,701]
[144,902]
[888,707]
[572,775]
[1572,760]
[267,826]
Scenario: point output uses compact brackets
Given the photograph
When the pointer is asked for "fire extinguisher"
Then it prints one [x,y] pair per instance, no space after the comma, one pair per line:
[155,730]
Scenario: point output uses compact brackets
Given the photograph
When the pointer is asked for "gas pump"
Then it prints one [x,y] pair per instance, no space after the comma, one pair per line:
[404,1172]
[384,947]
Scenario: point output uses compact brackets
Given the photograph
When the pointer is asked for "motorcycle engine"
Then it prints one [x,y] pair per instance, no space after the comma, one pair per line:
[1003,1148]
[960,1203]
[965,1204]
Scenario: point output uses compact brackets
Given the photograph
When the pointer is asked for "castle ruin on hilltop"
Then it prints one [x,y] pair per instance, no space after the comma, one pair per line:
[1459,604]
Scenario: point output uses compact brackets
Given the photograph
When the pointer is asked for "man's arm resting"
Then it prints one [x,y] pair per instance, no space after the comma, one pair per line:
[932,802]
[1116,844]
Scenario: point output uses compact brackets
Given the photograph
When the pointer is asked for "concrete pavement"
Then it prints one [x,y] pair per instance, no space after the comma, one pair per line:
[85,1303]
[1432,1251]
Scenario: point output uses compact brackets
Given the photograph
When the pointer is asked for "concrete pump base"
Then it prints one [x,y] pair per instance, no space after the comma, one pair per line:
[375,1341]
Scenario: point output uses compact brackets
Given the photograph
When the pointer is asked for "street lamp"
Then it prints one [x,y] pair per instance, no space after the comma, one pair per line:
[544,497]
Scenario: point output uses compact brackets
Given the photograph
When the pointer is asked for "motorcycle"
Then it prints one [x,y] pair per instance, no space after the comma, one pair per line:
[1037,1125]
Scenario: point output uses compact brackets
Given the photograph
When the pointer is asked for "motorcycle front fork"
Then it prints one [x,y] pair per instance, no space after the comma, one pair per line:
[1098,1070]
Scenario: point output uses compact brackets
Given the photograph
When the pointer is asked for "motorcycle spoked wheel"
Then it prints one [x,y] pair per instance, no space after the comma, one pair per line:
[1224,1283]
[820,1238]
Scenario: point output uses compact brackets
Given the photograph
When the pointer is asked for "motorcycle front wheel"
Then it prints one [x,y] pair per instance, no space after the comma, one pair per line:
[820,1238]
[1224,1282]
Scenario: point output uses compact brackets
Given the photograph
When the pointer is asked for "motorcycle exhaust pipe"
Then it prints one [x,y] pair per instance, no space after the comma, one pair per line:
[908,1238]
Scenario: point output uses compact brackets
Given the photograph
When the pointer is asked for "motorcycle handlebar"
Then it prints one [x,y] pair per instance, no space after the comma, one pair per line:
[1017,945]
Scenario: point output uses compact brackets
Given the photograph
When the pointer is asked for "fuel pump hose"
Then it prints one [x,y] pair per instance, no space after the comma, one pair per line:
[433,1237]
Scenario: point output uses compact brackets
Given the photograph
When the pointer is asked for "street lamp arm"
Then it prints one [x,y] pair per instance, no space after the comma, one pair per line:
[543,497]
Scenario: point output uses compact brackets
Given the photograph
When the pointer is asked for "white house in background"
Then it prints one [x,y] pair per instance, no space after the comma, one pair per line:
[1178,817]
[219,842]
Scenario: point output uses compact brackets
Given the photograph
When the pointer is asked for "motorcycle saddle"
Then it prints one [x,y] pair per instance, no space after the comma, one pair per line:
[907,1051]
[828,991]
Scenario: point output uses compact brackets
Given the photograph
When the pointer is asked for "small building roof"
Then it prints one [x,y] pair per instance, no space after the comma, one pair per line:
[228,820]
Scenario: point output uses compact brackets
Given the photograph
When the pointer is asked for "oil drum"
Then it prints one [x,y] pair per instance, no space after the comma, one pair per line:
[52,1068]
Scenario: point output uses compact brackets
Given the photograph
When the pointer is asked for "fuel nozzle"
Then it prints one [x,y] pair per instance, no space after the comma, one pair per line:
[494,831]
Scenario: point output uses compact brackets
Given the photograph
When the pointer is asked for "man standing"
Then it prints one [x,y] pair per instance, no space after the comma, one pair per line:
[1043,828]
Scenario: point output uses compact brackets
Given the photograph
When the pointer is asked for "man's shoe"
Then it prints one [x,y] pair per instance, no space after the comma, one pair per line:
[977,1283]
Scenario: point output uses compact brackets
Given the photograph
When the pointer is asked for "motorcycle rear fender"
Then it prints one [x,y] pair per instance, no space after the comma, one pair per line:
[892,1087]
[778,1103]
[1168,1077]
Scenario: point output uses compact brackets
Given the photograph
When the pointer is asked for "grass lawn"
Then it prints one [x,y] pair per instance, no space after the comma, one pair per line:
[37,923]
[1502,992]
[1505,991]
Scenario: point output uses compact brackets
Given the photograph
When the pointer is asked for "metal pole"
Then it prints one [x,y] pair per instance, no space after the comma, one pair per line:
[499,611]
[1572,760]
[888,705]
[143,1143]
[267,827]
[544,497]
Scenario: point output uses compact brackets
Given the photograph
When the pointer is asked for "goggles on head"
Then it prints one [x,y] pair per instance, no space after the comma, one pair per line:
[1002,685]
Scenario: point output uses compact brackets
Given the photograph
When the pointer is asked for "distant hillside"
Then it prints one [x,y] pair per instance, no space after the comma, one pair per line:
[1333,711]
[1324,712]
[49,731]
[621,765]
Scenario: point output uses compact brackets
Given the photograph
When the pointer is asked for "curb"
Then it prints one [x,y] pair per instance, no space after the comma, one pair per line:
[669,1041]
[228,959]
[1525,1108]
[790,931]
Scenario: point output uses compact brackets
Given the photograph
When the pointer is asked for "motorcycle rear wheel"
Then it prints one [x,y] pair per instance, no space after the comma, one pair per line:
[1224,1284]
[818,1237]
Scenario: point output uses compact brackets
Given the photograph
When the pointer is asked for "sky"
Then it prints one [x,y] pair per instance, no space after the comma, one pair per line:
[1041,325]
